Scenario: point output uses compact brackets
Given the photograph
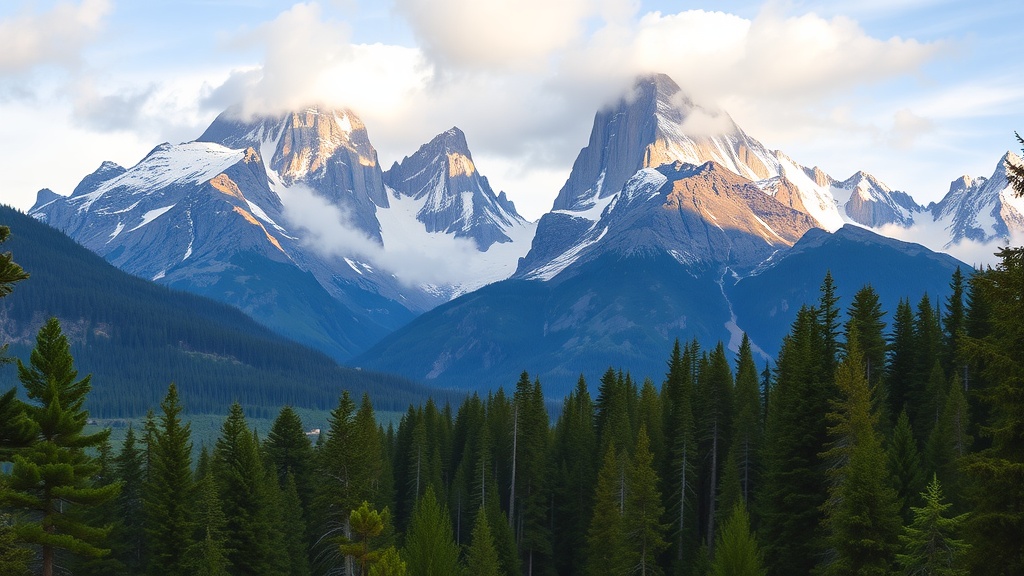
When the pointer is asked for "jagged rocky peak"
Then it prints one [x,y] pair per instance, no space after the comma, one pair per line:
[452,196]
[310,138]
[657,123]
[90,183]
[819,177]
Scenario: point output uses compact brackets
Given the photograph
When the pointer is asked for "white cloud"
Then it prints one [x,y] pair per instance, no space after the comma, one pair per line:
[327,229]
[55,37]
[495,34]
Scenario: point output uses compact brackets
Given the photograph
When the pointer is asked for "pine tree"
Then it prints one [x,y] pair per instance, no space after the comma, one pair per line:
[866,317]
[953,323]
[14,559]
[902,360]
[679,471]
[905,465]
[430,548]
[575,453]
[293,528]
[289,450]
[828,318]
[390,564]
[921,405]
[482,557]
[207,555]
[533,503]
[243,489]
[949,441]
[793,484]
[607,544]
[714,389]
[748,425]
[51,479]
[168,490]
[10,273]
[128,539]
[367,525]
[930,545]
[737,552]
[642,519]
[861,514]
[996,525]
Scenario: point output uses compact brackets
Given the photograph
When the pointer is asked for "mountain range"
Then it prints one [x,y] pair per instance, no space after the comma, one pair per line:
[660,231]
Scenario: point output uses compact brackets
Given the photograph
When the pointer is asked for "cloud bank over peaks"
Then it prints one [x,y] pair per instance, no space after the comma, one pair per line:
[438,259]
[54,37]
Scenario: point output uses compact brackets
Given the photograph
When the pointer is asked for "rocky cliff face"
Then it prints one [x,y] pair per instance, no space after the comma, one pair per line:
[453,197]
[982,209]
[867,201]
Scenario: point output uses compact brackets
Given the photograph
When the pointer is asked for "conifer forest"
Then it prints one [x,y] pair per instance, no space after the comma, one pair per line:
[878,442]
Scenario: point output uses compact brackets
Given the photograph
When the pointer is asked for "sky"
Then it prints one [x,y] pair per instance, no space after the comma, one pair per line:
[915,92]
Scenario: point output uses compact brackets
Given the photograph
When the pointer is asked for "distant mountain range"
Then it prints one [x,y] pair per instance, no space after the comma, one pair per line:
[670,212]
[135,337]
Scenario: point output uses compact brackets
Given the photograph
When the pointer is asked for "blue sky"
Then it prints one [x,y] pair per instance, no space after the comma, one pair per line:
[916,92]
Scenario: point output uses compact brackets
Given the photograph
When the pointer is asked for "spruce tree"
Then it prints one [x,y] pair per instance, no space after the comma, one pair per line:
[289,450]
[905,465]
[642,520]
[902,361]
[430,548]
[168,490]
[861,514]
[246,499]
[482,557]
[128,539]
[575,453]
[680,471]
[747,425]
[607,544]
[793,486]
[996,526]
[953,323]
[715,391]
[737,552]
[949,441]
[51,480]
[930,546]
[207,555]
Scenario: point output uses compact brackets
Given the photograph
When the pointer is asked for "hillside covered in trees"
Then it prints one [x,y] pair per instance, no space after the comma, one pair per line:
[877,444]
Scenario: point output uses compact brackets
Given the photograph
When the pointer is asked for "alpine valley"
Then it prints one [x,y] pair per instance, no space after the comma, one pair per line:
[664,230]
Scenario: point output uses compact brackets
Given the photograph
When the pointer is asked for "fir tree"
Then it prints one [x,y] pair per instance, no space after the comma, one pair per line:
[949,441]
[607,544]
[533,503]
[902,360]
[430,548]
[207,555]
[861,515]
[930,544]
[128,538]
[293,529]
[679,471]
[575,453]
[747,426]
[482,557]
[737,552]
[642,520]
[51,480]
[953,323]
[905,465]
[866,317]
[996,526]
[289,450]
[168,490]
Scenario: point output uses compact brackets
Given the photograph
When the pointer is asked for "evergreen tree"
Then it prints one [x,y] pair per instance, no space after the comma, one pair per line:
[367,525]
[14,559]
[10,273]
[867,318]
[996,525]
[51,480]
[793,487]
[168,490]
[17,430]
[715,406]
[953,323]
[612,418]
[390,564]
[607,544]
[902,360]
[679,471]
[949,441]
[905,465]
[246,499]
[289,450]
[482,557]
[430,548]
[293,529]
[921,404]
[930,544]
[128,538]
[533,503]
[828,318]
[207,555]
[575,453]
[642,520]
[861,515]
[747,426]
[737,552]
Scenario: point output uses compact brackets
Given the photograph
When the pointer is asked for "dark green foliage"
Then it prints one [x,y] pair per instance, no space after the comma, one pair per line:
[926,380]
[905,465]
[679,471]
[607,545]
[10,273]
[51,486]
[902,360]
[794,485]
[293,528]
[737,552]
[748,424]
[207,555]
[949,441]
[861,519]
[290,451]
[532,502]
[430,548]
[954,324]
[714,404]
[128,537]
[996,526]
[866,318]
[17,430]
[247,498]
[642,521]
[930,544]
[575,457]
[168,490]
